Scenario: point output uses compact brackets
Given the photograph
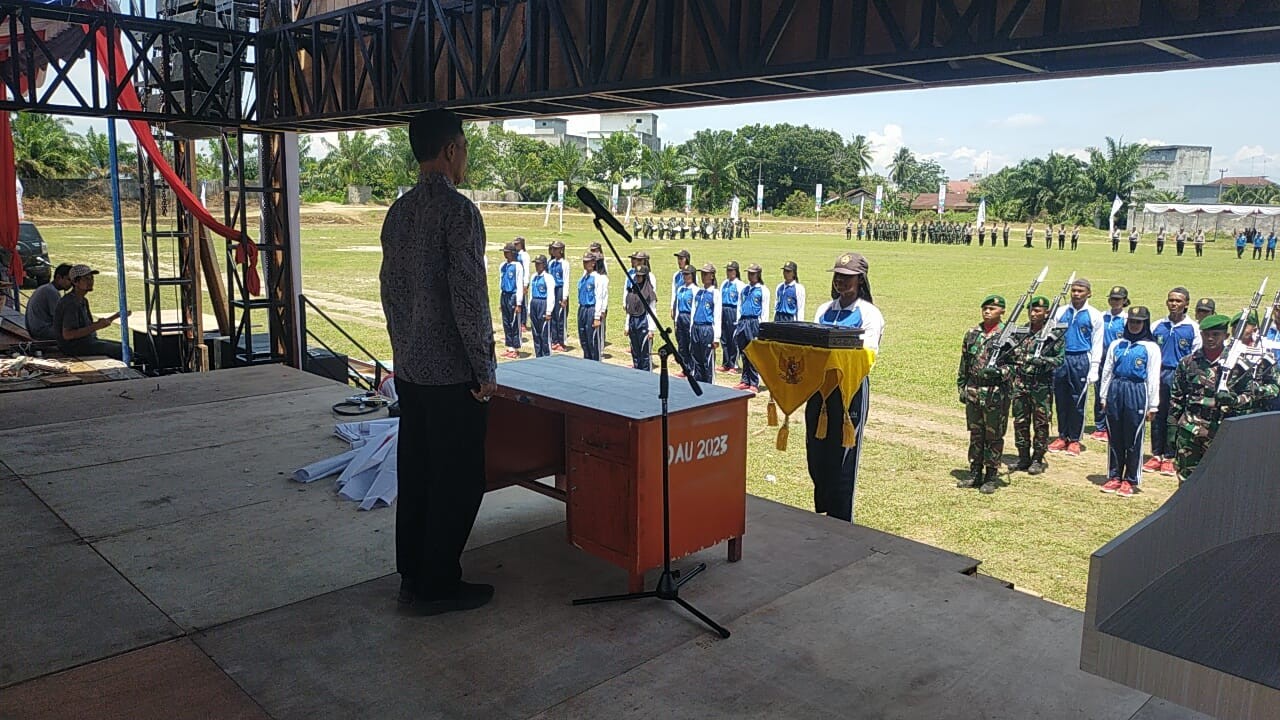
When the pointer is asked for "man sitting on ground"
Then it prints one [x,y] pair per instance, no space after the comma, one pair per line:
[44,302]
[78,331]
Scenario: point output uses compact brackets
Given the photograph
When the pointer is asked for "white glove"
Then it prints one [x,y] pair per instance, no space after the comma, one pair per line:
[1093,375]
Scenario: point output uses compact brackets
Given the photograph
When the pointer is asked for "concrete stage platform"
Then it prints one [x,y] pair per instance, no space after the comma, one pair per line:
[156,562]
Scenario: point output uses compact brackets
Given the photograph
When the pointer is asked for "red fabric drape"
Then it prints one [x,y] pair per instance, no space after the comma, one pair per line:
[246,250]
[8,197]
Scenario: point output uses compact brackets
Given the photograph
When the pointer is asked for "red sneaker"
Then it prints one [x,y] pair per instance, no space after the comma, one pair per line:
[1152,465]
[1126,489]
[1102,436]
[1111,485]
[1166,467]
[755,389]
[742,386]
[1058,445]
[1074,448]
[723,369]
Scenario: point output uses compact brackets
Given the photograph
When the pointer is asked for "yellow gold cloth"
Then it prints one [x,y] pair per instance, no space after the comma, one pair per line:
[793,373]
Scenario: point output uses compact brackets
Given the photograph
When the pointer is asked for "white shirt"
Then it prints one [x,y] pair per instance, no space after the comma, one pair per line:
[799,298]
[1153,372]
[523,257]
[551,289]
[872,320]
[602,293]
[1095,340]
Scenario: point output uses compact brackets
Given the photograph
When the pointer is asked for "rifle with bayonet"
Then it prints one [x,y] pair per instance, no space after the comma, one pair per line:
[1270,320]
[1234,341]
[1051,321]
[1005,339]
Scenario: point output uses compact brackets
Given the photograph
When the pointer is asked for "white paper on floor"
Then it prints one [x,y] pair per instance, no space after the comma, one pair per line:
[367,472]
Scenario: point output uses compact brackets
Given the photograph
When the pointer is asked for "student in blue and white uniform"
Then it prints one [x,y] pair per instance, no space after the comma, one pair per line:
[523,256]
[730,293]
[789,305]
[1113,322]
[559,269]
[704,330]
[1271,342]
[833,467]
[1080,366]
[1131,396]
[682,262]
[682,312]
[511,299]
[751,306]
[1178,336]
[640,325]
[542,297]
[593,300]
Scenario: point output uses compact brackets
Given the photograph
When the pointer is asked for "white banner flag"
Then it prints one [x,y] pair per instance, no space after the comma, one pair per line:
[613,199]
[862,204]
[759,198]
[879,198]
[982,212]
[733,208]
[560,191]
[1115,208]
[817,198]
[628,215]
[942,198]
[688,199]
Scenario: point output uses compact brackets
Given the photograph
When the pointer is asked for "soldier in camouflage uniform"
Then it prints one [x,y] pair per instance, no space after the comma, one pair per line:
[985,394]
[1032,387]
[1197,407]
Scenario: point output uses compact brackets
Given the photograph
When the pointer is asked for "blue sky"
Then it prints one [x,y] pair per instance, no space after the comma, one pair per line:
[989,126]
[986,127]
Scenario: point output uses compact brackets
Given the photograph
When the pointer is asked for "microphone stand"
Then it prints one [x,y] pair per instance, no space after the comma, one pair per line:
[670,581]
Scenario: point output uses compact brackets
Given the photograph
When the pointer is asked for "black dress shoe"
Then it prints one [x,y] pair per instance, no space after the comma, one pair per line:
[407,592]
[468,596]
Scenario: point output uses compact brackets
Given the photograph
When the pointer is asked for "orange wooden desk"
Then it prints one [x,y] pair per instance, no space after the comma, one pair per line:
[597,429]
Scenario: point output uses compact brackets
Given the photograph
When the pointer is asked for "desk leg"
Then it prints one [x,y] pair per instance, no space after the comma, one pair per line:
[635,582]
[735,549]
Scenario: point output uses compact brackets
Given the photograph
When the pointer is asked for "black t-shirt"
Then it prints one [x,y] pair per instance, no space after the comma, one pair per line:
[72,313]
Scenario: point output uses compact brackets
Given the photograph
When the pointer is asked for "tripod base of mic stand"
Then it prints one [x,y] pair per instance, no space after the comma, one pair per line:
[668,589]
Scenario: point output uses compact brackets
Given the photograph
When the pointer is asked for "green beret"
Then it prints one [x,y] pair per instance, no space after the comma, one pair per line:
[1039,301]
[1253,318]
[1215,322]
[996,300]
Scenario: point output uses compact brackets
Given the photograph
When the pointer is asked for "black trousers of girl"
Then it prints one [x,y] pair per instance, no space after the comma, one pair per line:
[833,467]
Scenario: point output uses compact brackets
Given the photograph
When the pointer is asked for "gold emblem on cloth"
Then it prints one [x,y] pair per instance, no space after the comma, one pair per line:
[791,367]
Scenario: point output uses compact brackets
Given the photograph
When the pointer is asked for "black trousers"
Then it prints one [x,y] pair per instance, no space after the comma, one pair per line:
[440,456]
[88,347]
[832,467]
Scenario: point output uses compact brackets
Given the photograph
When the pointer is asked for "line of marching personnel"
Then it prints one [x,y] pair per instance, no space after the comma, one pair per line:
[709,315]
[1168,374]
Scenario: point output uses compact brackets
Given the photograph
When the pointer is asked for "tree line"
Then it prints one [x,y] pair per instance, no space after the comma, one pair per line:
[787,160]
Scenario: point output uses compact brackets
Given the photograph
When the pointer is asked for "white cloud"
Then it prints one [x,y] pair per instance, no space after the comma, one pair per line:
[1076,152]
[1254,160]
[1150,141]
[884,144]
[1018,121]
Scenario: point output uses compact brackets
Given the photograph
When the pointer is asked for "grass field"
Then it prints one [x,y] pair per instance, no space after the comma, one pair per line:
[1037,532]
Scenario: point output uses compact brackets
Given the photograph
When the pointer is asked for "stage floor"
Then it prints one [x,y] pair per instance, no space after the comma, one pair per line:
[156,562]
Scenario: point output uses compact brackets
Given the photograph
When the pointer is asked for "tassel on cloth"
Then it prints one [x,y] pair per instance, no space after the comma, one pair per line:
[850,433]
[820,432]
[772,412]
[783,432]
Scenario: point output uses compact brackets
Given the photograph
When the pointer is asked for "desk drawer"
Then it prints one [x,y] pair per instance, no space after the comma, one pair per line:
[602,436]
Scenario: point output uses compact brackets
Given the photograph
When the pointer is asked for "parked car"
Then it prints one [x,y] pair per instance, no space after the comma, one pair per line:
[35,255]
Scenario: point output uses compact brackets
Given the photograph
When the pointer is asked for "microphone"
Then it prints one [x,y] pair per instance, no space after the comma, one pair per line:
[589,199]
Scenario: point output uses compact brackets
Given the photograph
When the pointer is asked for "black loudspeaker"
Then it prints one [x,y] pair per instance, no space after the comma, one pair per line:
[326,364]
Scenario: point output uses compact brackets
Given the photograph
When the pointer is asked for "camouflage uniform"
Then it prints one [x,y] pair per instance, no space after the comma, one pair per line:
[986,406]
[1032,393]
[1196,409]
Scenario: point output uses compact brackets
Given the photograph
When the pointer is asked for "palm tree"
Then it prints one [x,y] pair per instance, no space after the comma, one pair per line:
[355,158]
[714,155]
[1165,196]
[98,154]
[664,169]
[567,162]
[1115,172]
[858,154]
[45,147]
[901,167]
